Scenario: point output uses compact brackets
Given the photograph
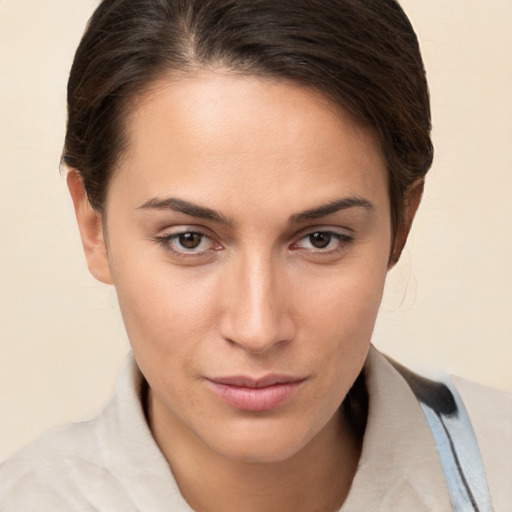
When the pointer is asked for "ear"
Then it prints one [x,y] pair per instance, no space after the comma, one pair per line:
[412,199]
[91,229]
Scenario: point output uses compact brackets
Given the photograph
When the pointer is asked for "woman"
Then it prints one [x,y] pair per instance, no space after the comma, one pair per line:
[245,174]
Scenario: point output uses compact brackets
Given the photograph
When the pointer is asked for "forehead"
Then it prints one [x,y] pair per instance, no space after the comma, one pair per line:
[223,135]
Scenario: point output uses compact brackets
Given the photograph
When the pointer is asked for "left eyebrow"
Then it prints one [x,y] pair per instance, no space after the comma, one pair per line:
[332,207]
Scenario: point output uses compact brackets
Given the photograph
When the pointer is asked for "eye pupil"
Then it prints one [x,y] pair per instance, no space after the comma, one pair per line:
[320,240]
[190,240]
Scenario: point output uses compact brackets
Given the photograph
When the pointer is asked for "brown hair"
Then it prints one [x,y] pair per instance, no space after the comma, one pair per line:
[361,54]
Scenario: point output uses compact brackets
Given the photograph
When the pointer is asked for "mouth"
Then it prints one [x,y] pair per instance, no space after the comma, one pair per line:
[255,395]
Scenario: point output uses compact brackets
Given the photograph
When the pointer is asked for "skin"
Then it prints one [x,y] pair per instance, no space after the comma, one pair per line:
[257,295]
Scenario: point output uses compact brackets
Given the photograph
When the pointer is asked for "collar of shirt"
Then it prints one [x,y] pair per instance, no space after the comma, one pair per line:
[400,468]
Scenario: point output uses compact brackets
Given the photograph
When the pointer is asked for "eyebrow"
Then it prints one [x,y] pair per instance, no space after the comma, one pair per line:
[186,207]
[201,212]
[332,207]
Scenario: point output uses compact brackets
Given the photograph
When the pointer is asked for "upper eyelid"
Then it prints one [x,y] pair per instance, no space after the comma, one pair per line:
[175,235]
[323,229]
[181,230]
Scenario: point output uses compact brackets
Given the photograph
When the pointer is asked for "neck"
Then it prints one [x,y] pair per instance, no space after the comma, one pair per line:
[317,478]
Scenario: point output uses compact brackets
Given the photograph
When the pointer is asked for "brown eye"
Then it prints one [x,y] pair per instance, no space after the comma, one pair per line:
[190,240]
[323,242]
[320,240]
[189,244]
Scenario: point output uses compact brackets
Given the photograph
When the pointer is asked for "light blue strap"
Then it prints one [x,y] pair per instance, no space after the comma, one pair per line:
[455,439]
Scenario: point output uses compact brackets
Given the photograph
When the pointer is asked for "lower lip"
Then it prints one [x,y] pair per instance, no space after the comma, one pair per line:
[255,399]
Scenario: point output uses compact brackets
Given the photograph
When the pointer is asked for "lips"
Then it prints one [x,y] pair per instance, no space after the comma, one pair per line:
[255,395]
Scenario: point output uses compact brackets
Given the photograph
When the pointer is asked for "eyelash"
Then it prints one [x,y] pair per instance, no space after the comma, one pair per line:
[167,242]
[343,240]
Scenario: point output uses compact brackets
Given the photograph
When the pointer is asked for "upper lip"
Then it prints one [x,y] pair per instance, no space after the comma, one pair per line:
[261,382]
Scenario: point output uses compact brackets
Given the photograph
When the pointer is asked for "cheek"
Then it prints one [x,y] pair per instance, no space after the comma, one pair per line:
[341,313]
[165,309]
[346,301]
[167,318]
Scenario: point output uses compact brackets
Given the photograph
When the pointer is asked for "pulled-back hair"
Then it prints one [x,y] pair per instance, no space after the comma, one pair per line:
[361,54]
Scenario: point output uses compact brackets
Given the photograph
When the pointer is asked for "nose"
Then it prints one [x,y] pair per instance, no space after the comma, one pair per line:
[256,302]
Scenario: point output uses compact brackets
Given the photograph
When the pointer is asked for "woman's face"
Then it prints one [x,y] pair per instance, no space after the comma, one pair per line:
[248,238]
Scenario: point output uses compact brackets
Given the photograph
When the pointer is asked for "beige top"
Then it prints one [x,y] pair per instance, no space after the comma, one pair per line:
[112,463]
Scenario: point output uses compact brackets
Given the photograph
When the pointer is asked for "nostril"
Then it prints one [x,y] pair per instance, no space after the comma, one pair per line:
[260,338]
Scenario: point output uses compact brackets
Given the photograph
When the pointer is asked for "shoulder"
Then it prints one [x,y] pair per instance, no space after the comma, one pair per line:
[488,407]
[51,452]
[109,463]
[490,411]
[62,470]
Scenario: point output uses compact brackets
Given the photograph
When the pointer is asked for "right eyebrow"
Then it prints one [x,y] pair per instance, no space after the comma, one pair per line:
[186,207]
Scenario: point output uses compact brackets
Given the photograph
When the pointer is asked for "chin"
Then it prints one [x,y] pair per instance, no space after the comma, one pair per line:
[253,453]
[261,442]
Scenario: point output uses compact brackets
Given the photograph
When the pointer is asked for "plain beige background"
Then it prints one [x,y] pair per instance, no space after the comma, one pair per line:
[448,303]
